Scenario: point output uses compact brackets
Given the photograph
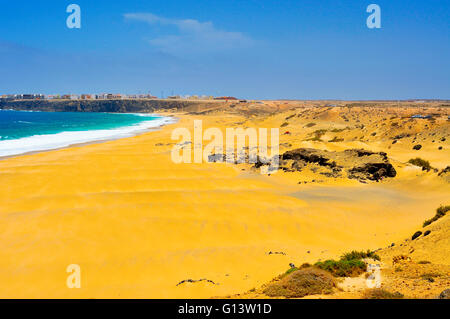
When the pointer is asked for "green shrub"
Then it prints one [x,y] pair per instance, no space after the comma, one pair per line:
[440,212]
[290,270]
[349,265]
[343,268]
[360,255]
[421,163]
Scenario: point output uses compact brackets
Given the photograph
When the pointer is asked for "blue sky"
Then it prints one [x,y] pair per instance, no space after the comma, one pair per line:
[251,49]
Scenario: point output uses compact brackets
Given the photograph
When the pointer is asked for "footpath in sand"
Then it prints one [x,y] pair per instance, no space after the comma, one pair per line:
[138,224]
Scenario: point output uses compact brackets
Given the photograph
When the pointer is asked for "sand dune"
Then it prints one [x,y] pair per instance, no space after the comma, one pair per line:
[138,224]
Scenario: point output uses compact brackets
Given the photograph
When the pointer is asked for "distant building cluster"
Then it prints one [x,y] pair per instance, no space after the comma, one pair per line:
[190,97]
[109,96]
[102,96]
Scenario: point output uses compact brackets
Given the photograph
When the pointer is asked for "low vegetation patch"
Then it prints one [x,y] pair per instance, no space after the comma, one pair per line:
[339,130]
[350,265]
[343,268]
[317,135]
[429,277]
[290,116]
[421,163]
[440,212]
[336,139]
[360,255]
[378,293]
[290,270]
[302,282]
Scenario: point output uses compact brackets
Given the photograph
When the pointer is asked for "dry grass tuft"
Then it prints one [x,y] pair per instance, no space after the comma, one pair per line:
[301,283]
[378,293]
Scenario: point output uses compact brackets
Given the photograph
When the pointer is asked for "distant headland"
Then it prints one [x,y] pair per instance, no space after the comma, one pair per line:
[110,105]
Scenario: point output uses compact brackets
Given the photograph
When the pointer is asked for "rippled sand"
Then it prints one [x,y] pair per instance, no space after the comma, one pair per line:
[138,224]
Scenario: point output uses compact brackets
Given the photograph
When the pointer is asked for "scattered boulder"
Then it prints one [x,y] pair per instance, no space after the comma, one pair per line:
[444,171]
[416,235]
[445,294]
[308,155]
[276,253]
[445,174]
[194,281]
[373,171]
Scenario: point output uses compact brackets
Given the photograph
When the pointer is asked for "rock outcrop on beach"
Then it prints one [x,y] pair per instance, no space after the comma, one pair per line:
[359,164]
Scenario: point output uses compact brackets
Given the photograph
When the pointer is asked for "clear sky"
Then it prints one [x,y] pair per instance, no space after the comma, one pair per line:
[304,49]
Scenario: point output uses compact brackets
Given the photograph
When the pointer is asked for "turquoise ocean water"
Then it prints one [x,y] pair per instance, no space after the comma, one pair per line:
[22,132]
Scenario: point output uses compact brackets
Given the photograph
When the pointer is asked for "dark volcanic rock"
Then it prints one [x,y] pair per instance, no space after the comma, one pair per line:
[416,235]
[444,171]
[373,171]
[308,155]
[445,174]
[119,106]
[360,164]
[445,294]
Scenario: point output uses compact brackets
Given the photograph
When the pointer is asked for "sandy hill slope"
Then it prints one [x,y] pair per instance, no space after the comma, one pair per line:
[411,268]
[142,226]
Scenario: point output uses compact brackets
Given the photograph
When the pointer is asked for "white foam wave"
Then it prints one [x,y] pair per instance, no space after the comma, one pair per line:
[54,141]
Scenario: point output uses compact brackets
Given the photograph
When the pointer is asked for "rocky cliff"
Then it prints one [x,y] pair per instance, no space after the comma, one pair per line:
[121,106]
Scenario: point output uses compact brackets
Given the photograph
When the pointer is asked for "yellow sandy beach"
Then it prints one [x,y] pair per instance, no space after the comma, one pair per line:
[138,224]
